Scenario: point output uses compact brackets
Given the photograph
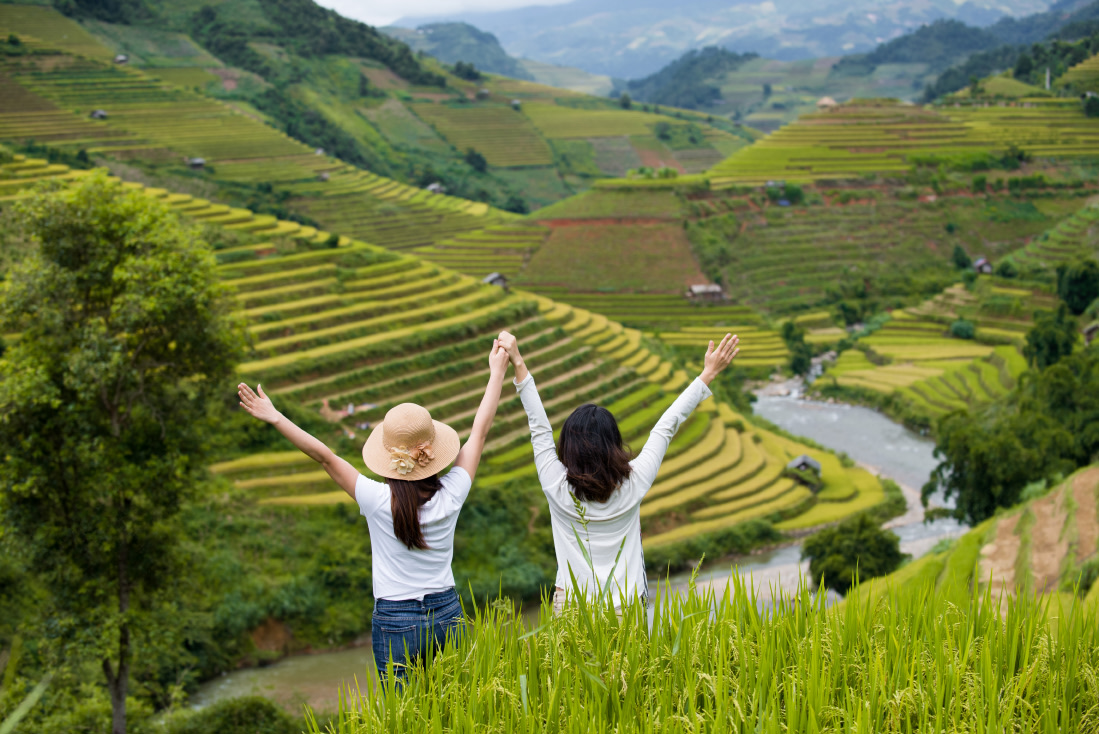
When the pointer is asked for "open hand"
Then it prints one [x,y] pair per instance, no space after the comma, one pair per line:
[720,357]
[498,359]
[258,405]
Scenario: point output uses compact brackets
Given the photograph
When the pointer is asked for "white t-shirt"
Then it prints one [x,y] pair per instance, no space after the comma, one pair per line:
[614,524]
[401,573]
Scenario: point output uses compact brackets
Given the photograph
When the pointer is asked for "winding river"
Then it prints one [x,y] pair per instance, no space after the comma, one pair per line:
[868,437]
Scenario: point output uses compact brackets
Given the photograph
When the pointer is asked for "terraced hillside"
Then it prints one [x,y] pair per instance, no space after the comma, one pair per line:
[927,370]
[797,258]
[857,139]
[1041,546]
[49,98]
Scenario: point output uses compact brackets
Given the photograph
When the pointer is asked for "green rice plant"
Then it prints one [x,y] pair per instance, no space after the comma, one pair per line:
[918,659]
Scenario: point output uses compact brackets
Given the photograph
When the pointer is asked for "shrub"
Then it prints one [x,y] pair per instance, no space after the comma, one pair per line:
[857,547]
[248,715]
[963,329]
[960,257]
[1091,107]
[1006,269]
[1078,284]
[476,161]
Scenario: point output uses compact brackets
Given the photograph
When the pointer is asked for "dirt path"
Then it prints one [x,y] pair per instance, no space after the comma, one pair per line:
[1048,541]
[998,558]
[1087,524]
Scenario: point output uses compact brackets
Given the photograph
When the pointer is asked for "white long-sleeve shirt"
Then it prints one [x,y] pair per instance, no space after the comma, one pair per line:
[613,524]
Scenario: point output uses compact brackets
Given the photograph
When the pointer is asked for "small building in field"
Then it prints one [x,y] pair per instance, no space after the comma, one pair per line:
[805,463]
[122,59]
[318,151]
[825,103]
[707,292]
[196,164]
[435,188]
[98,115]
[982,265]
[497,279]
[1091,332]
[323,176]
[516,105]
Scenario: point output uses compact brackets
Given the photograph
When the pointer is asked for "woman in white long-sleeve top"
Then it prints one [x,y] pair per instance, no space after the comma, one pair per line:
[594,489]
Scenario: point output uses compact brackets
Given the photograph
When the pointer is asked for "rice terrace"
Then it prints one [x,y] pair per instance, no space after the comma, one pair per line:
[792,362]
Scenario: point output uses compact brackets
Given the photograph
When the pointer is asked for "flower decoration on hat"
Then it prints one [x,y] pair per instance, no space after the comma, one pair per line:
[404,460]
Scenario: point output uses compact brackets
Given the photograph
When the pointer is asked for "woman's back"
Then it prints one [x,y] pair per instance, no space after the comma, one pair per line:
[400,572]
[597,542]
[600,542]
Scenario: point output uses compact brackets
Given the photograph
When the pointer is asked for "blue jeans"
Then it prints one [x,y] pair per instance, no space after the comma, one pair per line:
[411,628]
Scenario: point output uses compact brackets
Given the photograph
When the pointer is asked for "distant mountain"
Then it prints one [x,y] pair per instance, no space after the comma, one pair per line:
[454,42]
[630,39]
[689,81]
[938,46]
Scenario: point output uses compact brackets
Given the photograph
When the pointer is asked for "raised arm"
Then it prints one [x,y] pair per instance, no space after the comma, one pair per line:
[549,467]
[470,455]
[647,463]
[259,406]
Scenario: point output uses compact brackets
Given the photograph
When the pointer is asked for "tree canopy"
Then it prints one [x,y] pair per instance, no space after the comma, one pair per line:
[855,548]
[124,331]
[1048,427]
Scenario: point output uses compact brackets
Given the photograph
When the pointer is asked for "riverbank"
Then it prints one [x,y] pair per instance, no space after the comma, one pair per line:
[873,441]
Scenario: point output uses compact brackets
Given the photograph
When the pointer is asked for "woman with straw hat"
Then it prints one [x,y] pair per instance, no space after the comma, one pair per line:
[411,516]
[595,487]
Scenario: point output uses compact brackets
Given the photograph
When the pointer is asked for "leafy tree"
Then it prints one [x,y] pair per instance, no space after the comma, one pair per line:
[766,90]
[961,258]
[963,329]
[1024,66]
[124,332]
[857,547]
[467,71]
[801,354]
[1091,106]
[476,161]
[1052,338]
[1078,284]
[1006,269]
[1048,426]
[624,101]
[517,204]
[979,185]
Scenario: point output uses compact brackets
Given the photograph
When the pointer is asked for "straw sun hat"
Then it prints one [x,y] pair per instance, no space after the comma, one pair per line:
[409,445]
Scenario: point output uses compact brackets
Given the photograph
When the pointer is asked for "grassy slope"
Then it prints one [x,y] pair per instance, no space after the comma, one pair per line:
[993,556]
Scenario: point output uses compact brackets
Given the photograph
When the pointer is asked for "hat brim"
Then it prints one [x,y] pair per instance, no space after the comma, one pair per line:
[445,447]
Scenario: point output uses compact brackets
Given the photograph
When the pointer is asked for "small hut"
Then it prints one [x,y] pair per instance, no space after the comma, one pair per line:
[98,115]
[196,164]
[318,151]
[1091,332]
[983,266]
[122,59]
[323,176]
[496,279]
[805,463]
[826,103]
[707,292]
[516,105]
[435,188]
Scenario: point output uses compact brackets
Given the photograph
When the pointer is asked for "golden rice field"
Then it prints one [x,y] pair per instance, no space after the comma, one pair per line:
[503,135]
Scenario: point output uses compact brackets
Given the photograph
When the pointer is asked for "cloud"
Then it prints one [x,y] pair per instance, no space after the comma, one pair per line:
[384,13]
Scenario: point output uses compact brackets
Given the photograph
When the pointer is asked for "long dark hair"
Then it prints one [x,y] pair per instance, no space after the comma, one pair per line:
[591,450]
[405,501]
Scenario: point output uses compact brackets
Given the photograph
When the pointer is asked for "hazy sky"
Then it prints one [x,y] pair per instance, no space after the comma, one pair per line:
[384,13]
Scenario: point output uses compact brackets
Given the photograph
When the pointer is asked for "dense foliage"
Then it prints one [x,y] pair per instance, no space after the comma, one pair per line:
[921,660]
[1048,427]
[124,331]
[689,81]
[248,715]
[855,549]
[938,45]
[1078,284]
